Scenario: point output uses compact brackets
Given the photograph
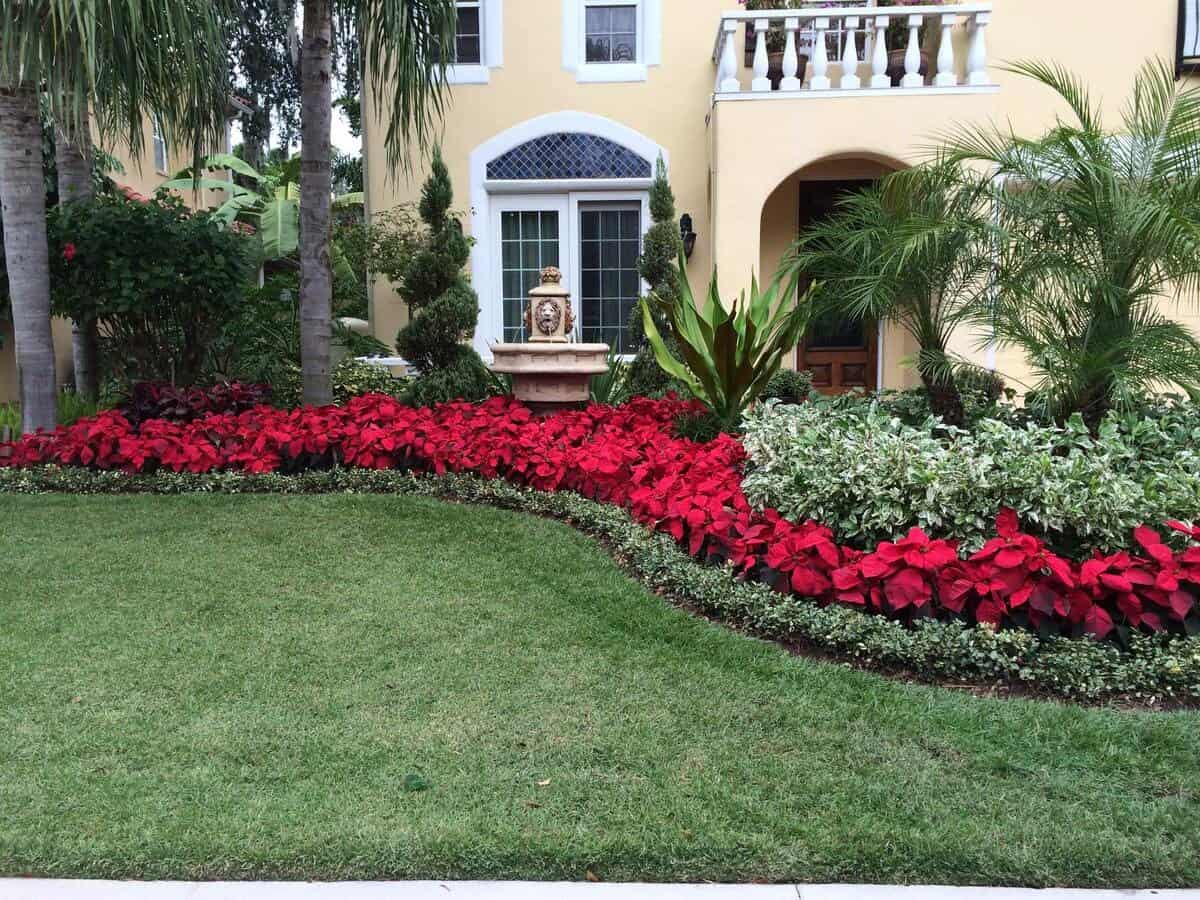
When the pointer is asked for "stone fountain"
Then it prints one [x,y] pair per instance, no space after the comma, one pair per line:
[548,372]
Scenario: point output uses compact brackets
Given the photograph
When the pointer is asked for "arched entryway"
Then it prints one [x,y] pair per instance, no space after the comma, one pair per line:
[841,354]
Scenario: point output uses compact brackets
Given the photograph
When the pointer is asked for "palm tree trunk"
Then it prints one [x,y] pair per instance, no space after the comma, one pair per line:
[316,277]
[73,158]
[23,195]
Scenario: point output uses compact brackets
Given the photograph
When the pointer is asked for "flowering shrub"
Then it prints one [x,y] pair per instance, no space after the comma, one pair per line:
[629,457]
[863,472]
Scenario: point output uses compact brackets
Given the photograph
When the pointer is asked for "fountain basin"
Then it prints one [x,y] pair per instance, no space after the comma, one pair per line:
[550,377]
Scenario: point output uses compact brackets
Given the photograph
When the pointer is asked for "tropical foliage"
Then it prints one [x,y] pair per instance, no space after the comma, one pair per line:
[905,250]
[271,206]
[1095,228]
[102,59]
[728,353]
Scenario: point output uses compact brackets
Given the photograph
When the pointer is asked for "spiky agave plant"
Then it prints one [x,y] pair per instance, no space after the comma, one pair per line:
[729,353]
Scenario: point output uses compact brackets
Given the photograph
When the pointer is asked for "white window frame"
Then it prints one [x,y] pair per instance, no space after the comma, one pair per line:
[649,42]
[159,147]
[620,200]
[566,204]
[492,311]
[487,194]
[491,44]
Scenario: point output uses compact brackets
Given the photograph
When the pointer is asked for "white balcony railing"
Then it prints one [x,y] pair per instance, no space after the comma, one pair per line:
[824,42]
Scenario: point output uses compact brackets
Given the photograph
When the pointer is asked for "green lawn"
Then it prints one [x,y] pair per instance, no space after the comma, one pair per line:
[204,687]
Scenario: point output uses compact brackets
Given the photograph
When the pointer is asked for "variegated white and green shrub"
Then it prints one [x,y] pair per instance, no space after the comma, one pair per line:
[860,470]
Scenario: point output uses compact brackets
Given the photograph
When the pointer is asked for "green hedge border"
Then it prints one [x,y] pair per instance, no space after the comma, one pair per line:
[1151,670]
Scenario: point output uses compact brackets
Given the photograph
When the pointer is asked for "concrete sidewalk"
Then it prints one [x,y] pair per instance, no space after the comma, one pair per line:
[45,889]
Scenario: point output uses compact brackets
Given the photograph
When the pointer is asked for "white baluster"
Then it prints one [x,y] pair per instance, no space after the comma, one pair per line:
[946,76]
[761,64]
[977,56]
[879,54]
[850,79]
[912,56]
[791,58]
[820,62]
[729,65]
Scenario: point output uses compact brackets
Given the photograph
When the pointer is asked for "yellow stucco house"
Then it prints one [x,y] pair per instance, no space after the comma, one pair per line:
[559,109]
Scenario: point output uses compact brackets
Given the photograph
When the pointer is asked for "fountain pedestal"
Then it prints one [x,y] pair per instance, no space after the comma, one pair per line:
[549,374]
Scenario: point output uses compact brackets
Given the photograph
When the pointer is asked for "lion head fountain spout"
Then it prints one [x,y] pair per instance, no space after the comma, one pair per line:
[548,372]
[548,316]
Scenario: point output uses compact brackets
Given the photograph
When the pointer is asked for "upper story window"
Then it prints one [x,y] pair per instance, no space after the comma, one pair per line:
[611,40]
[611,32]
[468,38]
[160,148]
[478,41]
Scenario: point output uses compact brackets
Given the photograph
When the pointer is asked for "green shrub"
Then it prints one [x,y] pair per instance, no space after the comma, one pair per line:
[661,247]
[71,408]
[261,343]
[860,470]
[464,377]
[788,386]
[161,281]
[353,378]
[445,309]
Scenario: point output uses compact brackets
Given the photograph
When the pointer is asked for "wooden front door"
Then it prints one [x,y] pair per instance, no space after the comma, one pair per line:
[841,354]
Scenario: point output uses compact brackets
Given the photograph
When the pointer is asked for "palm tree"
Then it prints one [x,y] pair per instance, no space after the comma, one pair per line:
[73,160]
[905,250]
[1095,228]
[406,45]
[116,60]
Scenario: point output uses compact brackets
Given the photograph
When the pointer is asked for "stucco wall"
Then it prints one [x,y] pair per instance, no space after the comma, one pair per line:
[729,161]
[670,108]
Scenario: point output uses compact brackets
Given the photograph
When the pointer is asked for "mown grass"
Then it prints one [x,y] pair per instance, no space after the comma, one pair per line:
[236,687]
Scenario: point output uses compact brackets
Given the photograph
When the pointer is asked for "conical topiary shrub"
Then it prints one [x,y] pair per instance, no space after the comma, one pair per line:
[443,306]
[658,265]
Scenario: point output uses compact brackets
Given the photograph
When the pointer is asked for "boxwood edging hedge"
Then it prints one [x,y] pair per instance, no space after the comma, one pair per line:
[1153,667]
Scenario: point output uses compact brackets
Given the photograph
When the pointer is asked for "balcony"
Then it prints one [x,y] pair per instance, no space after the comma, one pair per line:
[843,50]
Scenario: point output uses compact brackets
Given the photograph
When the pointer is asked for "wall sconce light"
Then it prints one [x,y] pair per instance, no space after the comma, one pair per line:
[688,235]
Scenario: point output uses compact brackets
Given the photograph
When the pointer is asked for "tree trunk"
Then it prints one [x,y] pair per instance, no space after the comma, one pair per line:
[73,158]
[23,196]
[316,276]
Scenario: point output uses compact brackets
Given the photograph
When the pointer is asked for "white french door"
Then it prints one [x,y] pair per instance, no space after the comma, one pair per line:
[594,238]
[530,234]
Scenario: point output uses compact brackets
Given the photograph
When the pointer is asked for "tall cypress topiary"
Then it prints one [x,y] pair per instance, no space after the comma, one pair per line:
[444,308]
[659,268]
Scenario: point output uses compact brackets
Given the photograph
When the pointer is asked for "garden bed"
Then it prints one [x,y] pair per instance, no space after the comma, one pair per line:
[940,613]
